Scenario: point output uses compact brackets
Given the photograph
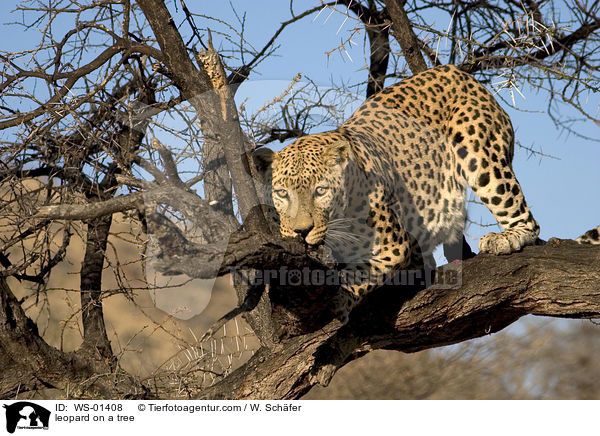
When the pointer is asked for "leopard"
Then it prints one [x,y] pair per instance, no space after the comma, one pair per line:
[390,184]
[591,237]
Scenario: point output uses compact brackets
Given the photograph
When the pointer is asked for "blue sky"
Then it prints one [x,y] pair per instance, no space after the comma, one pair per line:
[561,192]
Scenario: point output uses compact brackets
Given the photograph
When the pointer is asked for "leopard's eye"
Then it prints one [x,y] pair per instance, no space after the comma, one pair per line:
[281,193]
[321,190]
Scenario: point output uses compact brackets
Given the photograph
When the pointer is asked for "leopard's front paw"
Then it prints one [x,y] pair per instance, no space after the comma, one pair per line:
[499,243]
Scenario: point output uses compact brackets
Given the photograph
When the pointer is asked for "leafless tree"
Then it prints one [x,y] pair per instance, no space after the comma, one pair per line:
[82,109]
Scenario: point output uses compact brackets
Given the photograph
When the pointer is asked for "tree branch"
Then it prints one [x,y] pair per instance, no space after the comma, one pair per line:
[29,363]
[186,76]
[216,109]
[241,73]
[559,279]
[484,59]
[404,34]
[377,27]
[91,210]
[95,338]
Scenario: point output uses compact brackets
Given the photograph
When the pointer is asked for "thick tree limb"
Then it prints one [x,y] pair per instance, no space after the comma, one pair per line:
[559,279]
[215,226]
[378,61]
[405,35]
[187,77]
[196,87]
[222,121]
[29,363]
[208,91]
[87,211]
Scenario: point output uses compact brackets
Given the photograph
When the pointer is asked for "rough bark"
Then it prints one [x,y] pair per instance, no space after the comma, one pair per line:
[559,279]
[191,80]
[95,338]
[405,35]
[209,92]
[30,364]
[379,45]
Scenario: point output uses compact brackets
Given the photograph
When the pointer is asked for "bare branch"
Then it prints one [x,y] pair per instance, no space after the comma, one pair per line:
[91,210]
[404,34]
[485,59]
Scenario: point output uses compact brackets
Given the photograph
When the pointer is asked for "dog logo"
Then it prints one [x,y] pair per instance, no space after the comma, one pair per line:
[26,415]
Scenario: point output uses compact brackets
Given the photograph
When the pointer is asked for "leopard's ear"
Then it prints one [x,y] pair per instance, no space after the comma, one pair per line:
[339,152]
[263,159]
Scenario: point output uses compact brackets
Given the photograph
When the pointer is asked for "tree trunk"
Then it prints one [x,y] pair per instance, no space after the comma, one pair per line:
[95,338]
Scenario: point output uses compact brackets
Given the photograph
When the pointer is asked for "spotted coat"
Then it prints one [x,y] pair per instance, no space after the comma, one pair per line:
[388,186]
[590,237]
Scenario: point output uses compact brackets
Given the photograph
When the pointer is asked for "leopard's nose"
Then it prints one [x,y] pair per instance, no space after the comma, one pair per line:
[304,231]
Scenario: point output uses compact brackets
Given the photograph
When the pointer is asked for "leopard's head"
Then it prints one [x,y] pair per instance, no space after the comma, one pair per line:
[306,183]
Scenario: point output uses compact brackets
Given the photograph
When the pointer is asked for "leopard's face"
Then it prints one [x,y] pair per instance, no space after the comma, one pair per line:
[305,208]
[306,184]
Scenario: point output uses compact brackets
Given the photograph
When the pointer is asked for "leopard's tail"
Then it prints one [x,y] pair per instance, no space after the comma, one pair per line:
[590,237]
